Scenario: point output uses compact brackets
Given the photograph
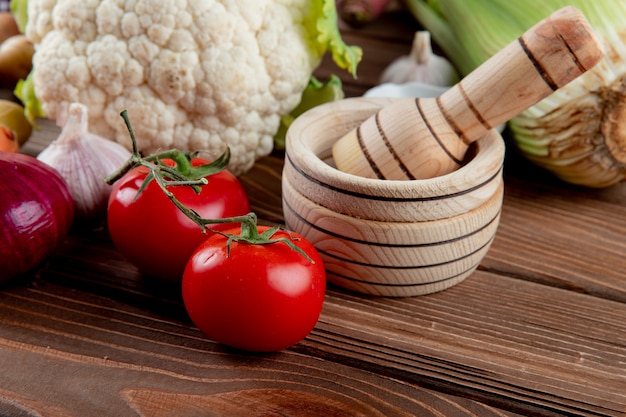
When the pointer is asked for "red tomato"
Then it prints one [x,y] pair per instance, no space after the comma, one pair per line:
[260,298]
[153,234]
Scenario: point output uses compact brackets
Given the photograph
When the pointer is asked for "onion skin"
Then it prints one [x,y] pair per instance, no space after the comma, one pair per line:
[36,213]
[16,60]
[8,141]
[8,26]
[358,13]
[84,159]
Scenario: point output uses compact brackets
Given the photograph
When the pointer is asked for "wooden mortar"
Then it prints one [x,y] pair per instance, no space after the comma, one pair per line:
[417,138]
[388,238]
[310,169]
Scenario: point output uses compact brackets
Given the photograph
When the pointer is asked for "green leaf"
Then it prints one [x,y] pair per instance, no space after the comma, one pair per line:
[314,94]
[219,164]
[322,25]
[19,8]
[25,91]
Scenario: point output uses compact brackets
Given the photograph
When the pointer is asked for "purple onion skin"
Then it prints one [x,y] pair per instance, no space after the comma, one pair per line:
[36,213]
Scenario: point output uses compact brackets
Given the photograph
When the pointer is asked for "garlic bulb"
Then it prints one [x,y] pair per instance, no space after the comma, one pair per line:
[421,65]
[84,159]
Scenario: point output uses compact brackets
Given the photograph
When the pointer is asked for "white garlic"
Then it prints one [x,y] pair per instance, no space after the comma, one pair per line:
[84,159]
[421,65]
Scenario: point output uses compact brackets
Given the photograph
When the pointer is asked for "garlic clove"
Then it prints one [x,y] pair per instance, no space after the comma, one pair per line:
[421,65]
[407,89]
[84,159]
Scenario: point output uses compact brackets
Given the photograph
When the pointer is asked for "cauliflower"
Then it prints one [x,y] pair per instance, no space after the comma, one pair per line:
[194,75]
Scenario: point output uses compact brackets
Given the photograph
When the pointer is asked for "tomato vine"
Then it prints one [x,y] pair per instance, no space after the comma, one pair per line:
[185,174]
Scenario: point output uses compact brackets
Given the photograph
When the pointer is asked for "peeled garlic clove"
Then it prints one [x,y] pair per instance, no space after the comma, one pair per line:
[84,159]
[421,65]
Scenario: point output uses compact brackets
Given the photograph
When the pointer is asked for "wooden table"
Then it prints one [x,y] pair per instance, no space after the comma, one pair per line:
[539,329]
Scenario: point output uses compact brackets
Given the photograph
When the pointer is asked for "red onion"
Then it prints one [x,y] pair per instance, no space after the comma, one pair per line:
[36,213]
[358,13]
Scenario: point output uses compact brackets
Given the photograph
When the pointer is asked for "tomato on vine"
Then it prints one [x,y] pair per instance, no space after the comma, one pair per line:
[247,286]
[153,234]
[255,296]
[150,202]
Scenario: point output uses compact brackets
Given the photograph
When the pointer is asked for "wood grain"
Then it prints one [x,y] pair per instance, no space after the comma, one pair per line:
[308,167]
[415,138]
[495,337]
[532,348]
[538,330]
[117,359]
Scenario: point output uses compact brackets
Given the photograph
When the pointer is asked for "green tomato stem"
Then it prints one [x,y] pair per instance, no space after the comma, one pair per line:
[185,174]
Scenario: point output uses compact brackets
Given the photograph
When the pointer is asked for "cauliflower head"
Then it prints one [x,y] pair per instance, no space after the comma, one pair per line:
[195,75]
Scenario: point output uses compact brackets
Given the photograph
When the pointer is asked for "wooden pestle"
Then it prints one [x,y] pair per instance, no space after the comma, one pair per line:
[417,138]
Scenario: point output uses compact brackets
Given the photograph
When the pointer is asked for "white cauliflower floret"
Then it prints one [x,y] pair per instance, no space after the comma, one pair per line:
[195,75]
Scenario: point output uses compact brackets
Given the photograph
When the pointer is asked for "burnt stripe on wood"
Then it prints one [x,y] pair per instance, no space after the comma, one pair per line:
[424,266]
[575,59]
[386,198]
[450,120]
[473,108]
[538,67]
[387,245]
[434,134]
[391,149]
[415,284]
[367,155]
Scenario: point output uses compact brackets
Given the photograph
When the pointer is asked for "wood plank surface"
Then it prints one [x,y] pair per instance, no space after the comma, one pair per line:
[538,330]
[69,353]
[563,237]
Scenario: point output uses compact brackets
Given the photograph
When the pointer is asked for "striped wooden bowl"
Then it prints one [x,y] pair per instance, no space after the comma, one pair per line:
[310,169]
[388,238]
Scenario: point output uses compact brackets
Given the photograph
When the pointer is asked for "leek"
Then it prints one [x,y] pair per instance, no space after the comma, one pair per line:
[579,132]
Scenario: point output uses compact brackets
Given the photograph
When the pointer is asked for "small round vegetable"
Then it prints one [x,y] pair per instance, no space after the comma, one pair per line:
[16,55]
[8,26]
[157,237]
[258,297]
[8,141]
[13,119]
[36,213]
